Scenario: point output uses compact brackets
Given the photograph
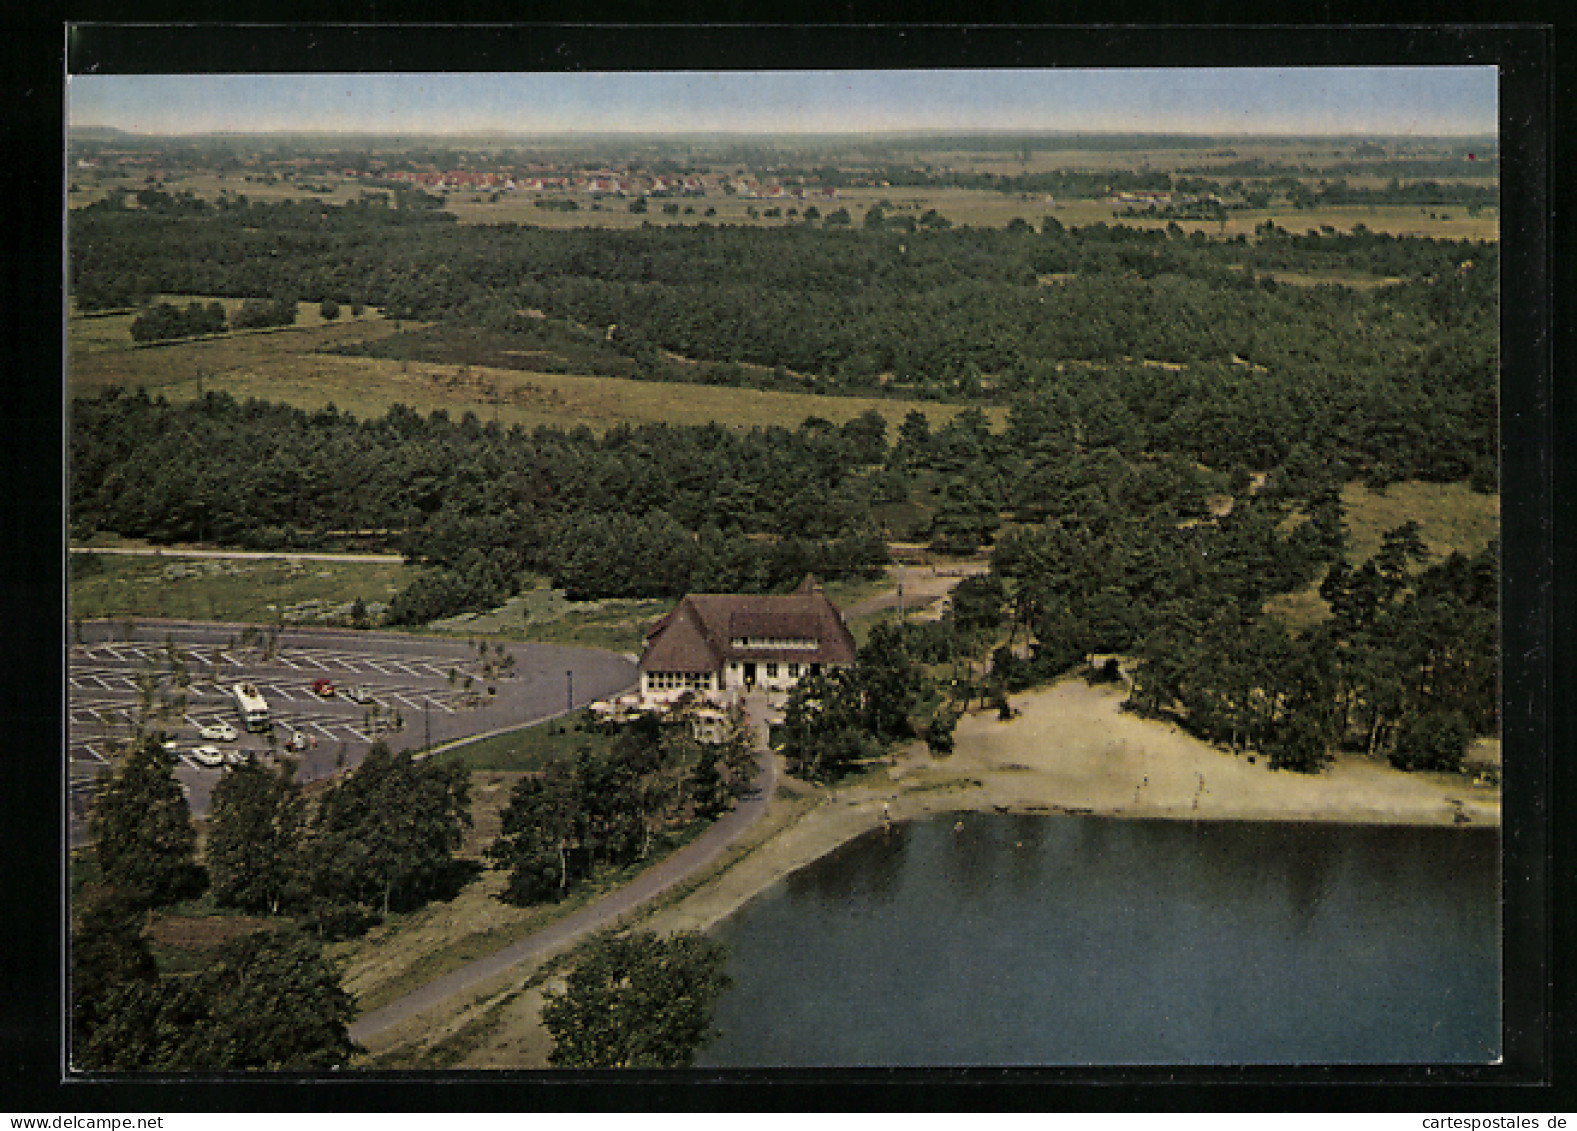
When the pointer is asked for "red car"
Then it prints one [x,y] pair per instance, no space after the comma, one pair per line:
[323,687]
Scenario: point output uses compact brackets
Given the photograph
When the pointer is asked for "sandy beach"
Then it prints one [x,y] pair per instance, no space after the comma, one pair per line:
[1070,749]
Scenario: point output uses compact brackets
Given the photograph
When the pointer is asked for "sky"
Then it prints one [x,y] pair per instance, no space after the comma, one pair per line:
[1311,100]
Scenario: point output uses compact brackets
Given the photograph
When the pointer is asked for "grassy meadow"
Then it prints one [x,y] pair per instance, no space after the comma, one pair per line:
[1451,518]
[290,366]
[529,748]
[246,590]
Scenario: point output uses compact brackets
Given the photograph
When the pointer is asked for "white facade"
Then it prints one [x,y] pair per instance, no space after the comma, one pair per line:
[772,676]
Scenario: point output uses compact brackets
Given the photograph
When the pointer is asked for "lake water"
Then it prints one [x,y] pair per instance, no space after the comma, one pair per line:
[1023,940]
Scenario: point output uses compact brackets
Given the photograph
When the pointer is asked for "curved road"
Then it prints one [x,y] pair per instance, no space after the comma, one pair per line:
[606,911]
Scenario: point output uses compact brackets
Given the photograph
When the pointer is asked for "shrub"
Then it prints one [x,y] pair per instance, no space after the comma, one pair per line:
[1435,740]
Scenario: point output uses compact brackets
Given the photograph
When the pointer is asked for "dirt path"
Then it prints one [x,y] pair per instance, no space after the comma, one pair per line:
[604,912]
[922,586]
[1071,749]
[162,552]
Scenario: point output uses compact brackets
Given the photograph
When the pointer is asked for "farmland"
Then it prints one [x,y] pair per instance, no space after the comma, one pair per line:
[963,181]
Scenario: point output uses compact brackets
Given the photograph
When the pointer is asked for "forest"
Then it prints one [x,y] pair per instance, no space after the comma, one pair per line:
[1179,427]
[887,303]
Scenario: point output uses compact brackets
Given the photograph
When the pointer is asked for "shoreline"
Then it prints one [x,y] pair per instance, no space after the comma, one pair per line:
[1071,751]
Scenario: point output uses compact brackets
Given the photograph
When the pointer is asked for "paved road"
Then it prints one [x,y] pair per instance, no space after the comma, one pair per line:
[605,912]
[159,552]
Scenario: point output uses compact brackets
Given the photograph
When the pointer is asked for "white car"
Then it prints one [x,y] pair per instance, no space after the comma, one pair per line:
[296,743]
[235,757]
[359,694]
[217,732]
[209,755]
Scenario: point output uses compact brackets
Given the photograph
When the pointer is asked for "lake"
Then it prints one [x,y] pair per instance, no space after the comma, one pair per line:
[986,939]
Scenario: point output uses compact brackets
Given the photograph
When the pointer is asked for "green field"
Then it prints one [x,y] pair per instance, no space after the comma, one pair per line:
[238,589]
[984,209]
[529,748]
[617,625]
[290,366]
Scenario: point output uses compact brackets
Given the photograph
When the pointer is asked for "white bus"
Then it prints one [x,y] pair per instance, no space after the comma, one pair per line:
[253,707]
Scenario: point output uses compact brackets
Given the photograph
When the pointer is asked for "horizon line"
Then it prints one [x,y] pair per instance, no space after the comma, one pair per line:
[968,131]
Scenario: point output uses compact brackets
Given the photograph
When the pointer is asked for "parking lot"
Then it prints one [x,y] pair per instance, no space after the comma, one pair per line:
[415,692]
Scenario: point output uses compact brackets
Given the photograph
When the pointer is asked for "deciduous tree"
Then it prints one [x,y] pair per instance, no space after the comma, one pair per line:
[637,1001]
[387,833]
[254,837]
[142,832]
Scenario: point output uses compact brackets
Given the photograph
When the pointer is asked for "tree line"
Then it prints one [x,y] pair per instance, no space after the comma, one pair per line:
[380,839]
[614,810]
[651,511]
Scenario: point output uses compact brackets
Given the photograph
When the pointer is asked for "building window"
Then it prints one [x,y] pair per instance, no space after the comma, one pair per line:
[793,671]
[772,671]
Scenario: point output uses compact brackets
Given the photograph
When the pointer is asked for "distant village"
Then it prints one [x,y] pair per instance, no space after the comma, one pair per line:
[160,166]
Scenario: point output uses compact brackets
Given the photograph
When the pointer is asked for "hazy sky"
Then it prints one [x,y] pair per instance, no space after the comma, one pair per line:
[1386,100]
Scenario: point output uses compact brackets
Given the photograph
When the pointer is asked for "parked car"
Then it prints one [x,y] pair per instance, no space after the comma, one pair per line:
[217,732]
[323,687]
[236,757]
[359,694]
[296,742]
[209,755]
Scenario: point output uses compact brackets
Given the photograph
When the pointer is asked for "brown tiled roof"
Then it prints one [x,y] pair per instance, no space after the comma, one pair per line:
[679,643]
[798,622]
[698,635]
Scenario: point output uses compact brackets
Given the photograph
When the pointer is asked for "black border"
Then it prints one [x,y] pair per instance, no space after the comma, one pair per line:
[1536,523]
